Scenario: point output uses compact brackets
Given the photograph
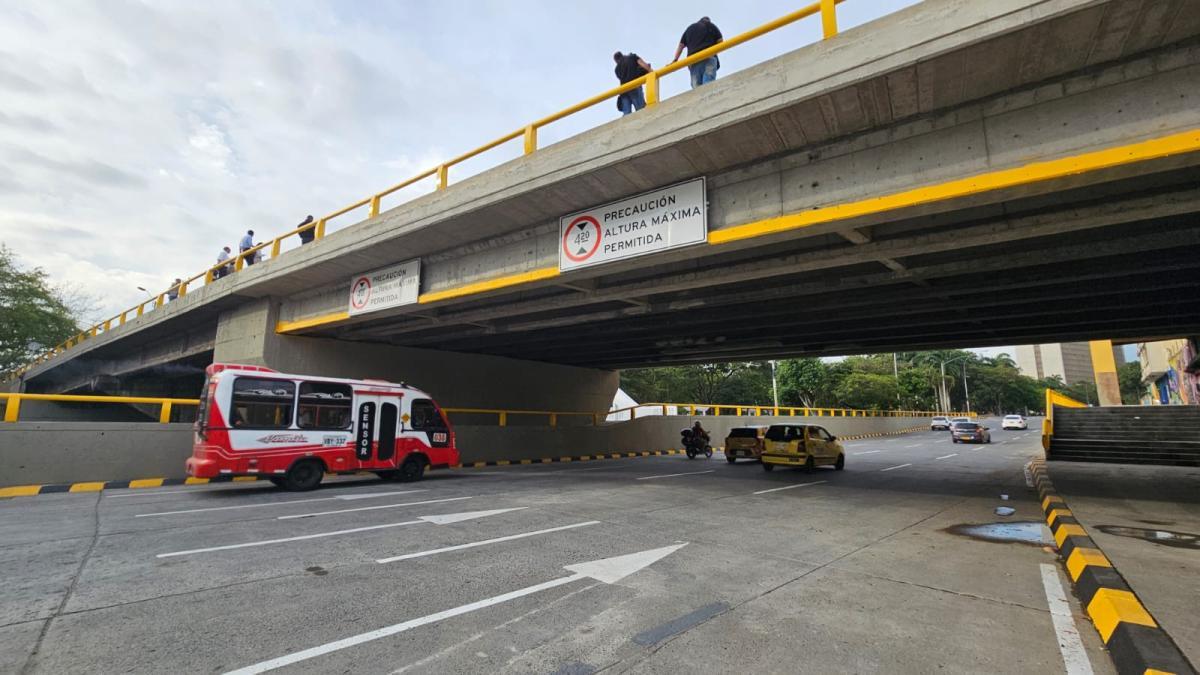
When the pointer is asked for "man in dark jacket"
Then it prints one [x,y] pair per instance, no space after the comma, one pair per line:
[307,235]
[629,68]
[698,37]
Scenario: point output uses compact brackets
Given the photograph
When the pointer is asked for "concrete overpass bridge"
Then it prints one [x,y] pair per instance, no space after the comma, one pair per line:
[955,174]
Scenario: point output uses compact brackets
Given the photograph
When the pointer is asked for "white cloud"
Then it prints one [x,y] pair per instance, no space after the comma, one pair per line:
[138,138]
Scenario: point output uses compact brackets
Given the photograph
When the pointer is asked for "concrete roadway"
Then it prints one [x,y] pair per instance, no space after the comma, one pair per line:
[852,571]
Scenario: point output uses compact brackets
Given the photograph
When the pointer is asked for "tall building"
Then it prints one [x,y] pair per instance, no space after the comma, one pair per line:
[1072,361]
[1170,371]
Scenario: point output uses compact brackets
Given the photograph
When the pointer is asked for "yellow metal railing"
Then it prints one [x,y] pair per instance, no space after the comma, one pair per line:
[12,409]
[529,133]
[12,403]
[697,409]
[1054,398]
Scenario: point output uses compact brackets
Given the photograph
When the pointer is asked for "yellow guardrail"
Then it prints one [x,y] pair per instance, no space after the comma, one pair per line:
[1054,398]
[700,409]
[12,403]
[826,8]
[12,409]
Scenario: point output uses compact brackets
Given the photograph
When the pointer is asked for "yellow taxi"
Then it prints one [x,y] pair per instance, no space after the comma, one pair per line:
[745,442]
[805,445]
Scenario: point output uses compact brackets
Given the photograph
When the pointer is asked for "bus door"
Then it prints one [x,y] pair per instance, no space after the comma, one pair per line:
[377,417]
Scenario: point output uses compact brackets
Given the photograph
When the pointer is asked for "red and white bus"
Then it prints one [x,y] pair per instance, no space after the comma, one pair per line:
[254,421]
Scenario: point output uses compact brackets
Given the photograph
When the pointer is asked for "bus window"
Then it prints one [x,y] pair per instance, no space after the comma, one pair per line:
[425,416]
[262,404]
[202,411]
[324,405]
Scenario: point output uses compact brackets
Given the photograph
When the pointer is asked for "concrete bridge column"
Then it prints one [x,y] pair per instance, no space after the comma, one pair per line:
[1108,385]
[247,335]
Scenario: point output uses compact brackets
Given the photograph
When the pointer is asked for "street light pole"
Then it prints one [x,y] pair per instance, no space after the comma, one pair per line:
[774,387]
[942,397]
[966,389]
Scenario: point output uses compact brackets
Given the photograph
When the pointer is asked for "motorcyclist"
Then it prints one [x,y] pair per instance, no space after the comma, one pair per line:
[699,434]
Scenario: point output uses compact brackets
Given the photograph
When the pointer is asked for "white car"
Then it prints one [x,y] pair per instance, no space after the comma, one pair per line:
[939,423]
[1014,422]
[956,420]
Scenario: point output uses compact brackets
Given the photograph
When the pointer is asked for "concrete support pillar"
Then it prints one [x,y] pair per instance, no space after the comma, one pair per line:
[1108,386]
[247,335]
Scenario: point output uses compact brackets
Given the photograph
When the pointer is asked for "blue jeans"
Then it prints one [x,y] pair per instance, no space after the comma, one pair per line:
[704,72]
[631,100]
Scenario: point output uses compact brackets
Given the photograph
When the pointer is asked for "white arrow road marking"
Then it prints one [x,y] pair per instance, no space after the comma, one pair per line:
[672,475]
[448,518]
[370,495]
[438,520]
[485,542]
[789,487]
[953,454]
[1074,657]
[608,570]
[891,468]
[370,508]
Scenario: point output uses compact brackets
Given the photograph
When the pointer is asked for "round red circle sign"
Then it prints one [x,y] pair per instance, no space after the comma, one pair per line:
[360,293]
[581,239]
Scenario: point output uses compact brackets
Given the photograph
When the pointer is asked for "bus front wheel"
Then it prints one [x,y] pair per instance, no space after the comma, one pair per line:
[303,476]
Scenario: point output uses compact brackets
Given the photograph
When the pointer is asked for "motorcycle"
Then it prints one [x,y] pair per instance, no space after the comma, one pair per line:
[694,445]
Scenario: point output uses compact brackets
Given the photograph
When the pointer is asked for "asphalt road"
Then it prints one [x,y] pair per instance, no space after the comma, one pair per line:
[646,565]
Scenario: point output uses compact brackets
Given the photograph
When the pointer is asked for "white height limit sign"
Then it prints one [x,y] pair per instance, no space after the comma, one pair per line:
[648,223]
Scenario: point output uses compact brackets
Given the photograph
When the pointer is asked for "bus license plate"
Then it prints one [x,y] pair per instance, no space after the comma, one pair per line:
[439,437]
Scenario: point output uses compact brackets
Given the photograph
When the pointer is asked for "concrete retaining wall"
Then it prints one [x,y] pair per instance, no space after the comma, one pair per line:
[67,452]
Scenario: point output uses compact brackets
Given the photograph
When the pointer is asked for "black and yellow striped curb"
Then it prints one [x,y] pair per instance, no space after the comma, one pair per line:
[97,486]
[1134,639]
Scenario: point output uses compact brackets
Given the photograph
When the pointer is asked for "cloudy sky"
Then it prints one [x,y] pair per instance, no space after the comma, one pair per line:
[137,138]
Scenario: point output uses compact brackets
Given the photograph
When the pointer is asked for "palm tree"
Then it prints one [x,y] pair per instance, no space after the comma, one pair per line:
[1003,359]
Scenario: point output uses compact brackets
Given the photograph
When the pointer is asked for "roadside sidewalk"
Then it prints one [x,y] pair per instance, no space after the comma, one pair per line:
[1146,519]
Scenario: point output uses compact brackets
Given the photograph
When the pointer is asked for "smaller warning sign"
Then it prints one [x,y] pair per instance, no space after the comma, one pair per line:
[386,287]
[655,221]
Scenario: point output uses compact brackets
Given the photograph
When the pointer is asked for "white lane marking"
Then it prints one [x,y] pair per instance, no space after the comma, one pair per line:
[283,503]
[436,520]
[914,445]
[891,468]
[867,452]
[485,542]
[1069,643]
[147,492]
[789,487]
[608,570]
[672,475]
[370,508]
[265,542]
[953,454]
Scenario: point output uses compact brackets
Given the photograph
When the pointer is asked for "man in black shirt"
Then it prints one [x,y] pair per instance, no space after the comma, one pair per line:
[700,36]
[629,68]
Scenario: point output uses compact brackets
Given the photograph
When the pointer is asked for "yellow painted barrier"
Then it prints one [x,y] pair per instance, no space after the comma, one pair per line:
[12,402]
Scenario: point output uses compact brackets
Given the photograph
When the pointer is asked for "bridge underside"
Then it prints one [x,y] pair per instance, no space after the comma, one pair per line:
[1107,261]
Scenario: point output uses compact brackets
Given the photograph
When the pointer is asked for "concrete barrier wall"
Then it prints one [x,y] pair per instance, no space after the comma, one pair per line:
[34,453]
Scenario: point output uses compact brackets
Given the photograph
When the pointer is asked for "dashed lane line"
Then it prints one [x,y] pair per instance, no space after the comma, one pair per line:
[672,475]
[370,508]
[789,487]
[893,468]
[485,542]
[350,497]
[868,452]
[953,454]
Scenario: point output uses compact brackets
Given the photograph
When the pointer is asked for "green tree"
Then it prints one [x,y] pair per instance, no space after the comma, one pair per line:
[1132,389]
[33,313]
[868,391]
[802,382]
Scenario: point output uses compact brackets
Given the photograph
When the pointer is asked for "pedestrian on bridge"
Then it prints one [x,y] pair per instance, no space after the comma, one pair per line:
[222,256]
[698,37]
[246,244]
[309,234]
[629,68]
[173,291]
